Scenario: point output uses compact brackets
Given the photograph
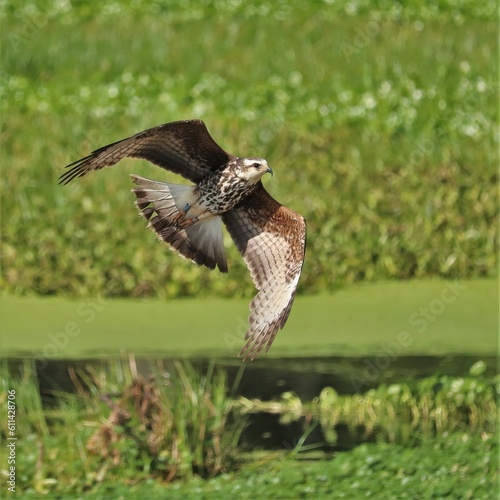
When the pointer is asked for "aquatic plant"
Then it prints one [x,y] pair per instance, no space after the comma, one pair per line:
[400,413]
[176,423]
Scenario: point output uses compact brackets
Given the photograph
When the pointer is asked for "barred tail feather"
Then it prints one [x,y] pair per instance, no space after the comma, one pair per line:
[160,202]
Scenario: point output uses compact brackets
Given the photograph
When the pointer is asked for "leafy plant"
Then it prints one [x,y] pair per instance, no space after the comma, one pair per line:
[397,413]
[118,426]
[400,413]
[393,165]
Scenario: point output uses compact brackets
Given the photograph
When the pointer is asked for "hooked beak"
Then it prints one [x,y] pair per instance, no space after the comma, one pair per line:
[270,170]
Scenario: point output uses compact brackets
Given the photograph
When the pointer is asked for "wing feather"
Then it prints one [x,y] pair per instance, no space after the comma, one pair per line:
[271,239]
[184,147]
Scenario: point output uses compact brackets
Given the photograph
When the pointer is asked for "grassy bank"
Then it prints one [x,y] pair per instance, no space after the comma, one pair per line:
[417,317]
[119,434]
[379,122]
[458,466]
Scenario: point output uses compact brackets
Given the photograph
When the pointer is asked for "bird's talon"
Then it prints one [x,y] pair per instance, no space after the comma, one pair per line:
[179,217]
[187,222]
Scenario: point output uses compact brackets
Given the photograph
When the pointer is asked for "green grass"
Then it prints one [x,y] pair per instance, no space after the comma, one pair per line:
[117,426]
[454,466]
[379,122]
[119,431]
[403,318]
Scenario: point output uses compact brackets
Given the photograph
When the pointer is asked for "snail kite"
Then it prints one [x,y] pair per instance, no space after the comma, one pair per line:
[228,189]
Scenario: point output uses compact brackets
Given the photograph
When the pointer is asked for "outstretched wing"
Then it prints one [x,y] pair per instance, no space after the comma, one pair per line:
[184,147]
[272,240]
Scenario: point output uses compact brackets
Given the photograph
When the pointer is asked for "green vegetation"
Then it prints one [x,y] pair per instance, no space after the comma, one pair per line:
[119,431]
[401,413]
[117,426]
[455,466]
[438,405]
[381,124]
[379,121]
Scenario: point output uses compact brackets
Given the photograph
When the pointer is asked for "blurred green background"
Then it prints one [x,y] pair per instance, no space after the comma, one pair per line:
[379,121]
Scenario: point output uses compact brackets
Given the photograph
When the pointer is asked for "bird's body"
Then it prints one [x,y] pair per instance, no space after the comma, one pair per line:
[222,190]
[227,189]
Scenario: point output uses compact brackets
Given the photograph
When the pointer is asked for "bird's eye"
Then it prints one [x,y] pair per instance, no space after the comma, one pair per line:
[256,165]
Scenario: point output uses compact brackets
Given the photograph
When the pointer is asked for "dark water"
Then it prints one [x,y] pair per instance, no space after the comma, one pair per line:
[268,378]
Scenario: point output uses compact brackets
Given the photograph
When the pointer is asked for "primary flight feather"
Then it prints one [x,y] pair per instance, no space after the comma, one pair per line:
[270,237]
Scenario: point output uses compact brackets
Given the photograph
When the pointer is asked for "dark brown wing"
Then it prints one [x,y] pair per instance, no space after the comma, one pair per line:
[184,147]
[272,240]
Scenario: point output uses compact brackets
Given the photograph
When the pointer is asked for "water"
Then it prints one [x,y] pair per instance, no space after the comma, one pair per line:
[268,378]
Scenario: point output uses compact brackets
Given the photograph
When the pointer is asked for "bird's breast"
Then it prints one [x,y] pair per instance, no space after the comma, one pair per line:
[220,193]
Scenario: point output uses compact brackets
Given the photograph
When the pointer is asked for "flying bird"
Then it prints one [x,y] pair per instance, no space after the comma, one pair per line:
[270,237]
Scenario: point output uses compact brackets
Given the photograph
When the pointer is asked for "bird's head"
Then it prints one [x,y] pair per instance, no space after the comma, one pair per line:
[251,169]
